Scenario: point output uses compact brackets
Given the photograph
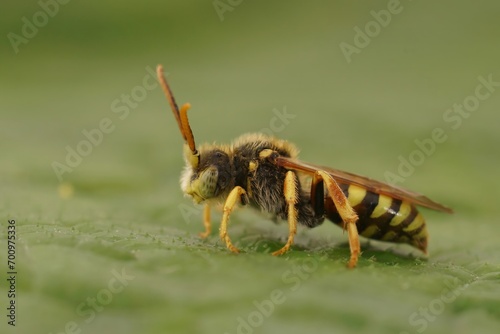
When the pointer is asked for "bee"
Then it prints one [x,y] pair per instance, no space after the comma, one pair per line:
[264,172]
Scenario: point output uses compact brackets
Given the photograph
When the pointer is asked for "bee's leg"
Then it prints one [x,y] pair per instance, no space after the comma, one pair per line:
[206,222]
[236,195]
[291,197]
[347,213]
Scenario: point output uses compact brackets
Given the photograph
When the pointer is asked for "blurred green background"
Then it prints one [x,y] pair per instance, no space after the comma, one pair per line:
[120,213]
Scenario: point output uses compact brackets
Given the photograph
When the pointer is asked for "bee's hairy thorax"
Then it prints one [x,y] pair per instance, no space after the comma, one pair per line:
[263,180]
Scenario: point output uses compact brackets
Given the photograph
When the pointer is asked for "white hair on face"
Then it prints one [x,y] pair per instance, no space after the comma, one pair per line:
[186,175]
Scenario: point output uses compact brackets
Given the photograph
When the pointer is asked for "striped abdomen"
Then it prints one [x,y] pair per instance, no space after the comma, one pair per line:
[382,217]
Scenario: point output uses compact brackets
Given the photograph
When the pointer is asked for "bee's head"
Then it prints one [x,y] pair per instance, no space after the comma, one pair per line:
[208,172]
[207,176]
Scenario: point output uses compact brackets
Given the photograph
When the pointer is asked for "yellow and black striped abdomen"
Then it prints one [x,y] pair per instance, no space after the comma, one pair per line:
[382,217]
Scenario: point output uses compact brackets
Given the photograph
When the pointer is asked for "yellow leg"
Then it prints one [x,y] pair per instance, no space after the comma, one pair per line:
[347,213]
[206,222]
[233,198]
[291,197]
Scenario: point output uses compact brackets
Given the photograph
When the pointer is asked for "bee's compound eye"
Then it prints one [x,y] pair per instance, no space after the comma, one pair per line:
[207,182]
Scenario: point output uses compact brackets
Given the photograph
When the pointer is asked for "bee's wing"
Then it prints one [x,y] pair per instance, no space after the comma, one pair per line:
[364,182]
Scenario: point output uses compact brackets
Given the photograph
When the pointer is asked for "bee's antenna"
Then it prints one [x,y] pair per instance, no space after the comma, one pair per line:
[180,115]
